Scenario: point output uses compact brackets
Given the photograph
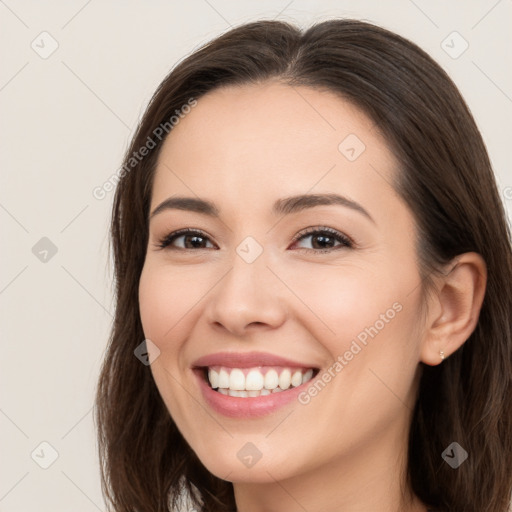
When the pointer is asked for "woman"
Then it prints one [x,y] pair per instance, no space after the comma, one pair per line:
[313,272]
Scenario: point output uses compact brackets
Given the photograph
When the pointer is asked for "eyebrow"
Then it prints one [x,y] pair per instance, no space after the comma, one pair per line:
[284,206]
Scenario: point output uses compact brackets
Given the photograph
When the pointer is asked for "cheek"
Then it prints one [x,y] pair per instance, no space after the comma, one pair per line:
[165,302]
[165,297]
[153,295]
[342,301]
[368,316]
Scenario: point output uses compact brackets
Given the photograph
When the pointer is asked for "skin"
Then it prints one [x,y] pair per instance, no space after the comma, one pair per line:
[243,148]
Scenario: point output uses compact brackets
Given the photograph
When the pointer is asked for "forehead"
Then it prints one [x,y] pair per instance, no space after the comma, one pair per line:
[261,141]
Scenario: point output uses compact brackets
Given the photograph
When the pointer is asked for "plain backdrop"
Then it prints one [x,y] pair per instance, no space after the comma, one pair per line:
[75,78]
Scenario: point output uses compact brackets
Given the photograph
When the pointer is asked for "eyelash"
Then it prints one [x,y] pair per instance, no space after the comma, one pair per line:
[346,242]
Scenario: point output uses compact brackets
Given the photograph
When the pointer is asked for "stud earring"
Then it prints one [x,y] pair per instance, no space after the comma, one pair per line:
[441,353]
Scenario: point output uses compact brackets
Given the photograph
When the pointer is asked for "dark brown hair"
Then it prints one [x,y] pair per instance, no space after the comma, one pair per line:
[446,179]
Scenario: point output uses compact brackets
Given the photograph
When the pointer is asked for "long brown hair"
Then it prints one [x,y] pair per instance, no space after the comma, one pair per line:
[447,181]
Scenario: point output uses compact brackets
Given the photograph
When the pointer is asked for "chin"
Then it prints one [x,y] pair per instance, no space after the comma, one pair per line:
[236,465]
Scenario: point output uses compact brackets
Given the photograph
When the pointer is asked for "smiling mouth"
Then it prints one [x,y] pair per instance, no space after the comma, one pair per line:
[257,381]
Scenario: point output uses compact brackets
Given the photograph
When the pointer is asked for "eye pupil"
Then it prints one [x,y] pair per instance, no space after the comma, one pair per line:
[323,239]
[195,241]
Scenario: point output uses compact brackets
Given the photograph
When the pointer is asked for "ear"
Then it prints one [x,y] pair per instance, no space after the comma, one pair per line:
[454,308]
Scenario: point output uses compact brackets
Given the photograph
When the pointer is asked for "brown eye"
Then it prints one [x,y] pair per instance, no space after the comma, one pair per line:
[324,240]
[185,239]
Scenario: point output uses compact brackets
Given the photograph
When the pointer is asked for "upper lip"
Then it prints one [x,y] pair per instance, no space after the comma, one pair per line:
[247,360]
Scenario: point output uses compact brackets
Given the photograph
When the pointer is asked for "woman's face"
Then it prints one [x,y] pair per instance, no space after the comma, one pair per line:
[272,287]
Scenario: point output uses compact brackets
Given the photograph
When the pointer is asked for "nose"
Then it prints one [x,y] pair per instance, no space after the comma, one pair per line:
[248,297]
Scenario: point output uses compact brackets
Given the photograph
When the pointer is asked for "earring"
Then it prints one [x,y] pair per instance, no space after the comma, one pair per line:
[441,353]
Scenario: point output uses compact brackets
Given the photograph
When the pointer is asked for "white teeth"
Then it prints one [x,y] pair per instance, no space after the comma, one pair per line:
[214,378]
[235,392]
[223,379]
[307,376]
[285,379]
[296,378]
[237,380]
[271,379]
[253,382]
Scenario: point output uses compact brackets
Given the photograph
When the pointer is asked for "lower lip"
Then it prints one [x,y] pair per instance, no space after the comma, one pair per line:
[250,407]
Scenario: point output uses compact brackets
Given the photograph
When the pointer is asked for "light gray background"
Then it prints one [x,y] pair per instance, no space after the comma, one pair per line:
[66,121]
